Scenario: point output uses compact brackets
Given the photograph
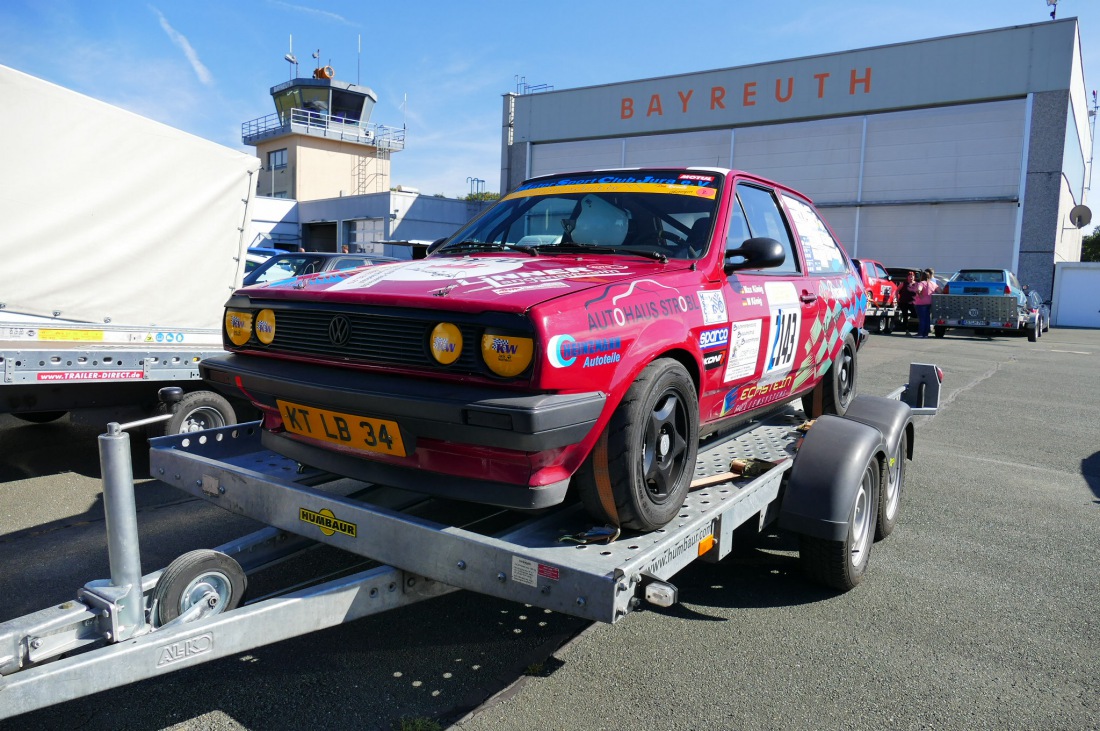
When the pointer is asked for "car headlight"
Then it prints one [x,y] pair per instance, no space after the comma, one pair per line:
[506,355]
[238,326]
[446,343]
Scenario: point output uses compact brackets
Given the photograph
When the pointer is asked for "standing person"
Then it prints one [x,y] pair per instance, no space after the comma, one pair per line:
[922,300]
[905,301]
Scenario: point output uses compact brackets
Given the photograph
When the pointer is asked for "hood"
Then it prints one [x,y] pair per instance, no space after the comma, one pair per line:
[507,283]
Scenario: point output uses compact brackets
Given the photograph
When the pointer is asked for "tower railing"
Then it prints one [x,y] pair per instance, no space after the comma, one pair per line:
[319,124]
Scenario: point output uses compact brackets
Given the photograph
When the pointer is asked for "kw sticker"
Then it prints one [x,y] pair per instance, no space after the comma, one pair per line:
[327,522]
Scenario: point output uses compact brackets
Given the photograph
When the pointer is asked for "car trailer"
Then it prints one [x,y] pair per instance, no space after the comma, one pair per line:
[836,484]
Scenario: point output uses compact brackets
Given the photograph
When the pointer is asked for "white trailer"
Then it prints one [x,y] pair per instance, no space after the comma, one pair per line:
[122,239]
[837,485]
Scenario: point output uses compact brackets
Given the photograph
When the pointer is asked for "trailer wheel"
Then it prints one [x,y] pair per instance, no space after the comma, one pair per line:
[841,564]
[40,417]
[940,331]
[892,482]
[200,410]
[1032,334]
[840,381]
[645,459]
[202,575]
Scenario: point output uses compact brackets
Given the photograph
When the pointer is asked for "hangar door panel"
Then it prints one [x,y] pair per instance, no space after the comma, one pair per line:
[1077,295]
[969,151]
[710,149]
[567,157]
[952,237]
[819,159]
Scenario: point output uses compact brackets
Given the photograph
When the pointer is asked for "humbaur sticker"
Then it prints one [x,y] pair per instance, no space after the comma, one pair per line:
[786,321]
[744,343]
[327,522]
[714,307]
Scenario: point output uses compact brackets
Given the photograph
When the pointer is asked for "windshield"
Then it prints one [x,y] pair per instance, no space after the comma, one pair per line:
[656,213]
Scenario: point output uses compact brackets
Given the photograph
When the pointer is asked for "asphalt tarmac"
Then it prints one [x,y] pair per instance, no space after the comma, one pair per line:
[980,611]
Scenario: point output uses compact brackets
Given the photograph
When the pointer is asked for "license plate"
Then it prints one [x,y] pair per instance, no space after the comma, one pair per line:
[349,430]
[974,323]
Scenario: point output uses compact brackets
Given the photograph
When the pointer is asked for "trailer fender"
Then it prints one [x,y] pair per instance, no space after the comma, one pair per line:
[826,476]
[891,417]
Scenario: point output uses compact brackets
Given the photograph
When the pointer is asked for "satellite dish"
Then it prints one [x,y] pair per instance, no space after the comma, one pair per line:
[1080,216]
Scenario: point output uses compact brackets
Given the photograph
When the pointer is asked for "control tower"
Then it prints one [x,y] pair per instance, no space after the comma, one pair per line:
[320,142]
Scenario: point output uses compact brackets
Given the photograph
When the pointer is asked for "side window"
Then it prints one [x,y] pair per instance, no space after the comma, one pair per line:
[822,253]
[764,218]
[880,272]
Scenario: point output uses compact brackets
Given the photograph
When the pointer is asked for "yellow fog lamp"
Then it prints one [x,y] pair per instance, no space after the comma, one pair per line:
[238,326]
[506,355]
[265,326]
[446,343]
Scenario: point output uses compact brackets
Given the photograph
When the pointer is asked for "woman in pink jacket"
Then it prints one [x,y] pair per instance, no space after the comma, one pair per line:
[922,300]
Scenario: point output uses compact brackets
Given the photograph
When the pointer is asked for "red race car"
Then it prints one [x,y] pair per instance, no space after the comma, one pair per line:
[588,329]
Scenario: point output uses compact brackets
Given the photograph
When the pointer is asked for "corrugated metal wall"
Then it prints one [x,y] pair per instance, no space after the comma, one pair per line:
[912,187]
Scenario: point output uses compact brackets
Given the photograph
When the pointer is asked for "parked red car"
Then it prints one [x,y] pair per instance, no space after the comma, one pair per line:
[588,329]
[882,295]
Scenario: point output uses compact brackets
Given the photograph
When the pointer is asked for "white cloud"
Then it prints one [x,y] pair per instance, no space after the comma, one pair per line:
[184,45]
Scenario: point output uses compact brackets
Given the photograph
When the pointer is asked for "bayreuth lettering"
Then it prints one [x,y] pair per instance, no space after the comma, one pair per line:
[748,94]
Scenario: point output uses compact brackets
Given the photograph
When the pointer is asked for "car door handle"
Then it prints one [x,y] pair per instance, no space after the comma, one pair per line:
[808,298]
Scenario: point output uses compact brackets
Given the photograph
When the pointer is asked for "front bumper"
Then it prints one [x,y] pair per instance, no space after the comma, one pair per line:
[460,414]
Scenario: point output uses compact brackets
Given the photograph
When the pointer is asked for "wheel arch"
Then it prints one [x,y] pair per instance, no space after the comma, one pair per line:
[822,487]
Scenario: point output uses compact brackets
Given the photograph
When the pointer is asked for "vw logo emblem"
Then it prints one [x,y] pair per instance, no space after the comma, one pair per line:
[339,331]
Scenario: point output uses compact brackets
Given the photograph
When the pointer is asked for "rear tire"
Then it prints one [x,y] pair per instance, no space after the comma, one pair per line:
[940,331]
[645,459]
[892,481]
[840,381]
[841,564]
[40,417]
[1033,334]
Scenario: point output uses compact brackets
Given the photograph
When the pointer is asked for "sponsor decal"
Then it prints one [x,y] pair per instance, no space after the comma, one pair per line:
[714,307]
[744,345]
[500,275]
[327,522]
[185,649]
[714,360]
[718,338]
[671,179]
[662,301]
[786,321]
[563,351]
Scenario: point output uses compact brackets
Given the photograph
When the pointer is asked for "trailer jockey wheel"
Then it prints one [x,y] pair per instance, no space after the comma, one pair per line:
[203,576]
[199,410]
[841,564]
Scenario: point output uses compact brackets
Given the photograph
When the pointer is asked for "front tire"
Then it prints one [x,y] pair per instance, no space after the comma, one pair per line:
[841,564]
[640,469]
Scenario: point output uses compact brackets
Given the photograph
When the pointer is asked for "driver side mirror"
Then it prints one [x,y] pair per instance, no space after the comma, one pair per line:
[757,253]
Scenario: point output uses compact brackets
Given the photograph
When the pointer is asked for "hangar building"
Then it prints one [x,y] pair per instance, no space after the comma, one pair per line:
[961,151]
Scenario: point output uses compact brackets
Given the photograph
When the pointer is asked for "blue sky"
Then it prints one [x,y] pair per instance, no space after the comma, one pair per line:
[205,67]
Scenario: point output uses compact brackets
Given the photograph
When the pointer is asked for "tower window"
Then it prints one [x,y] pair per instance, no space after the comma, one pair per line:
[276,159]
